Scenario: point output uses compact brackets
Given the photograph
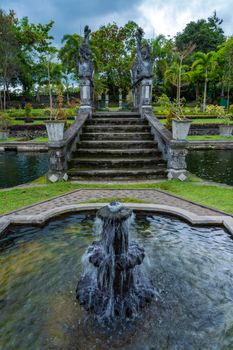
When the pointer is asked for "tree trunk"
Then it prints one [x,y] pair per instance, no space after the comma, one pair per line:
[50,90]
[197,92]
[228,95]
[4,94]
[205,91]
[222,90]
[67,91]
[38,94]
[179,83]
[1,104]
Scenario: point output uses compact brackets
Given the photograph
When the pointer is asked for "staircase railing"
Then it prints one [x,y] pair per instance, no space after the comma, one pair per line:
[174,151]
[60,152]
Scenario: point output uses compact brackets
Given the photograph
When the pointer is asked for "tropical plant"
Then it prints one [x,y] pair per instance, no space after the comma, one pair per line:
[220,112]
[204,62]
[5,121]
[28,110]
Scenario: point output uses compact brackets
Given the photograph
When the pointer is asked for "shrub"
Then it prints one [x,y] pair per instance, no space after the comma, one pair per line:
[28,110]
[5,121]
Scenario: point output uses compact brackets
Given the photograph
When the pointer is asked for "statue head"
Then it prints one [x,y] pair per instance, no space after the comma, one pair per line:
[146,52]
[87,32]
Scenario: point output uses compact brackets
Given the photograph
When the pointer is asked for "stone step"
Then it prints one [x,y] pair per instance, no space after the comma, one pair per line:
[117,144]
[96,163]
[117,174]
[116,115]
[117,136]
[117,153]
[116,121]
[99,128]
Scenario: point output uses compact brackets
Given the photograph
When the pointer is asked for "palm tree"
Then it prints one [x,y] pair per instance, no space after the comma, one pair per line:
[204,61]
[179,76]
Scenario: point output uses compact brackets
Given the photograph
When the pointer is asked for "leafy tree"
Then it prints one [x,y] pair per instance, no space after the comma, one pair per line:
[9,52]
[225,56]
[207,35]
[163,53]
[113,54]
[204,63]
[34,41]
[68,54]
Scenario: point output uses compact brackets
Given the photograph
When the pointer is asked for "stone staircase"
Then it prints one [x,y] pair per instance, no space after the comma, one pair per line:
[116,146]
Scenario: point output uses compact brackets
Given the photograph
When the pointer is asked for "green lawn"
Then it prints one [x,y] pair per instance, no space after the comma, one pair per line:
[202,121]
[23,139]
[215,196]
[187,110]
[209,138]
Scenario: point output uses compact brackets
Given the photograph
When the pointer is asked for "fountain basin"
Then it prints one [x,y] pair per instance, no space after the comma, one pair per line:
[191,269]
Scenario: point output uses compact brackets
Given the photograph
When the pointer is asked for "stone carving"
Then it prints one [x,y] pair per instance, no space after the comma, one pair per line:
[85,64]
[142,67]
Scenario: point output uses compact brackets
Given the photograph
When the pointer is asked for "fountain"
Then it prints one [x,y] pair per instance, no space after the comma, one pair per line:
[114,288]
[189,266]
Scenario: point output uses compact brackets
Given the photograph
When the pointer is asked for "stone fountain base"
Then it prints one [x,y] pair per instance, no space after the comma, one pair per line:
[114,288]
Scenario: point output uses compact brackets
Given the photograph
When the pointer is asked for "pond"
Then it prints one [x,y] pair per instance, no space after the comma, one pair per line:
[190,268]
[213,165]
[17,169]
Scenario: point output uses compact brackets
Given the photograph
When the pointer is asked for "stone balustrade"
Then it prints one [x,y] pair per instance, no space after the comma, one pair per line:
[174,151]
[60,151]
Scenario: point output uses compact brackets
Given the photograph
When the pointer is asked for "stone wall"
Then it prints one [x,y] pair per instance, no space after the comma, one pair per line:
[204,129]
[28,131]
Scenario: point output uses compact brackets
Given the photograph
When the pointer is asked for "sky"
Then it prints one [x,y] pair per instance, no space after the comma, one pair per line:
[155,16]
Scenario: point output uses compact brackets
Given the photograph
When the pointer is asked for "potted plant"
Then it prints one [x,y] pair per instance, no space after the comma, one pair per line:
[56,125]
[175,119]
[226,128]
[180,124]
[5,122]
[28,113]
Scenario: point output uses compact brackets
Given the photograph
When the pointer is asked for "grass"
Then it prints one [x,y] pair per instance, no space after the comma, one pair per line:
[40,139]
[214,196]
[209,138]
[201,121]
[115,199]
[20,139]
[187,110]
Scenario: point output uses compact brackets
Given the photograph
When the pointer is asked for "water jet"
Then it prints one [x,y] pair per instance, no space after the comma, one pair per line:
[114,288]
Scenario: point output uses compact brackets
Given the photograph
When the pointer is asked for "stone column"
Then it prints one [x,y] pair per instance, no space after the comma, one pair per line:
[146,95]
[99,101]
[176,162]
[86,95]
[120,98]
[106,101]
[57,162]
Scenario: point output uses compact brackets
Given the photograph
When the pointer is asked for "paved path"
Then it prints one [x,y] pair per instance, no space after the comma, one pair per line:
[149,196]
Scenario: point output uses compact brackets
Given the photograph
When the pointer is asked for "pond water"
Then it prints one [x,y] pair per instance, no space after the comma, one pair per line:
[19,168]
[190,267]
[213,165]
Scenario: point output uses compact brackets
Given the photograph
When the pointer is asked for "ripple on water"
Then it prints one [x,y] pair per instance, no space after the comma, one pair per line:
[190,267]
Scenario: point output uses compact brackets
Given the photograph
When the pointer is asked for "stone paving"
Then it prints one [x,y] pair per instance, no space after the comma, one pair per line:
[149,196]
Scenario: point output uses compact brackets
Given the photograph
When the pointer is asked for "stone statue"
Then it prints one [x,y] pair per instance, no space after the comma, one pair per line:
[85,64]
[142,67]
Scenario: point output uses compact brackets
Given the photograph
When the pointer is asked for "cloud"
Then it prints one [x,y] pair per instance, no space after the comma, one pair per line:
[154,16]
[170,16]
[72,15]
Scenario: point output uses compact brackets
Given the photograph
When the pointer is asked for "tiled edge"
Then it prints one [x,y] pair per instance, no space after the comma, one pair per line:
[225,221]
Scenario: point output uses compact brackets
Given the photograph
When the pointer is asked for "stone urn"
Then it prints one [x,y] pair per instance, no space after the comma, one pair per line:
[225,130]
[180,128]
[55,130]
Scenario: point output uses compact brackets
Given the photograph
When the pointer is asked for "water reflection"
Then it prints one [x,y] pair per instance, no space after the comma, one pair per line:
[213,165]
[16,169]
[191,268]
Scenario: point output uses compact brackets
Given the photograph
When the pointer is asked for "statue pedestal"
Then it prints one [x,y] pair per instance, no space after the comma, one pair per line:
[86,91]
